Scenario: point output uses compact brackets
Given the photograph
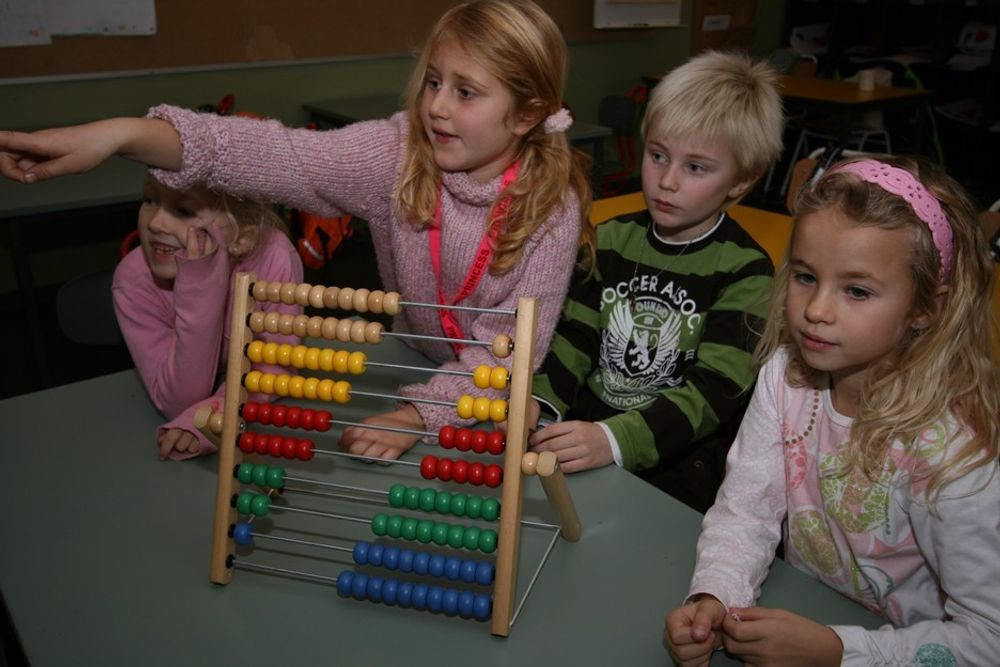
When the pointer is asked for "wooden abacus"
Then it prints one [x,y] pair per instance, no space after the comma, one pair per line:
[229,430]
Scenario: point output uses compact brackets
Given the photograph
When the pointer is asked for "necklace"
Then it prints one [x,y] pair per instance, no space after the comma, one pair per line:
[634,283]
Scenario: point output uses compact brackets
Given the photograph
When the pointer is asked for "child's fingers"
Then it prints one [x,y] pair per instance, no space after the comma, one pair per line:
[167,441]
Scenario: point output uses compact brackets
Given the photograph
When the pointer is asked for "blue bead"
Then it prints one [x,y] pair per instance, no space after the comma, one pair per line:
[419,596]
[466,603]
[450,602]
[484,573]
[359,586]
[453,568]
[242,533]
[374,589]
[468,573]
[344,580]
[406,560]
[483,607]
[404,594]
[390,558]
[375,554]
[420,561]
[435,598]
[360,553]
[389,590]
[436,565]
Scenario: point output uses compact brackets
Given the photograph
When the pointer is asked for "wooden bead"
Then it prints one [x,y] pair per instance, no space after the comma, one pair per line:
[502,346]
[302,294]
[269,355]
[373,333]
[344,330]
[326,359]
[284,356]
[330,297]
[481,409]
[342,391]
[498,410]
[298,356]
[356,363]
[390,303]
[340,359]
[360,302]
[345,300]
[548,462]
[254,350]
[481,376]
[312,358]
[499,377]
[274,292]
[314,328]
[256,321]
[295,386]
[309,388]
[316,296]
[260,290]
[299,325]
[288,293]
[358,331]
[330,328]
[529,463]
[286,324]
[215,422]
[375,301]
[271,322]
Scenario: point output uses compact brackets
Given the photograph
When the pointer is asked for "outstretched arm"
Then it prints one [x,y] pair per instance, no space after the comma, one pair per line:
[36,156]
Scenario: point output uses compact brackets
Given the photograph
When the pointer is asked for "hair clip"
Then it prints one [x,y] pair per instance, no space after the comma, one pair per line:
[560,121]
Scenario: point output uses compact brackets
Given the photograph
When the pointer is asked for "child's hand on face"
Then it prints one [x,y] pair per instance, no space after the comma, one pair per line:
[199,243]
[384,444]
[578,445]
[177,440]
[693,632]
[764,637]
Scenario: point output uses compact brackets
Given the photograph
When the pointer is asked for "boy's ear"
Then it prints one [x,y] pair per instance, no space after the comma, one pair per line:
[742,186]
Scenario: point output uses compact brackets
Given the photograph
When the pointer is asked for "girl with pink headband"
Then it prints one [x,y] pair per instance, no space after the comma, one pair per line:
[870,446]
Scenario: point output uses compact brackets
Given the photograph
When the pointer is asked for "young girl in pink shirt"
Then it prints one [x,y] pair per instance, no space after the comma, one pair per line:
[870,445]
[477,171]
[172,293]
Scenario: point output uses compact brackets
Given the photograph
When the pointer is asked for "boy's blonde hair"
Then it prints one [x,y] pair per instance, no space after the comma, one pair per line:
[950,367]
[519,44]
[722,97]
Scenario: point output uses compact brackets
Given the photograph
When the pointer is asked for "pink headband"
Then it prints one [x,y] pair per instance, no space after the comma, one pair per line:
[924,204]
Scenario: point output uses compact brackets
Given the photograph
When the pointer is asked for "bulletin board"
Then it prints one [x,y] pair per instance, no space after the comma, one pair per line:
[193,33]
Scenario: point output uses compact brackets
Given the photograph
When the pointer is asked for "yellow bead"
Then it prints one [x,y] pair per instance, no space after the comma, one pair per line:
[295,386]
[270,353]
[299,356]
[498,410]
[252,381]
[284,356]
[326,359]
[309,388]
[464,407]
[253,351]
[340,361]
[267,383]
[281,384]
[312,358]
[481,409]
[324,391]
[481,376]
[499,377]
[356,363]
[342,391]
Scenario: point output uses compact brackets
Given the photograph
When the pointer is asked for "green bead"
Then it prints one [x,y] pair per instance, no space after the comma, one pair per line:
[427,497]
[474,507]
[260,475]
[491,509]
[439,535]
[425,529]
[442,503]
[394,526]
[412,499]
[471,538]
[488,541]
[245,473]
[409,530]
[243,502]
[379,522]
[259,505]
[276,477]
[396,495]
[458,501]
[455,535]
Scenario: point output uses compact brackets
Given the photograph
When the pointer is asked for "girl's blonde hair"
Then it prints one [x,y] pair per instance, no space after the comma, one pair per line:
[950,367]
[518,43]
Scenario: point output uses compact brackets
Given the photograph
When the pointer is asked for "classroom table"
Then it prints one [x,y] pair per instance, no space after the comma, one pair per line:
[106,552]
[337,112]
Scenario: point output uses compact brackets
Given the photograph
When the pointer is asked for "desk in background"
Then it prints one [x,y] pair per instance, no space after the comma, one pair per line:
[106,551]
[344,111]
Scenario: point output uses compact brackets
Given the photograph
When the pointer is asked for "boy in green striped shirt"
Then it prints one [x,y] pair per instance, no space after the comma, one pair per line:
[651,366]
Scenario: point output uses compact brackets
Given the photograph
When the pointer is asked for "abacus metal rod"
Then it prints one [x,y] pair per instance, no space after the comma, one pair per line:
[372,394]
[362,457]
[463,341]
[308,543]
[472,309]
[538,570]
[424,369]
[247,565]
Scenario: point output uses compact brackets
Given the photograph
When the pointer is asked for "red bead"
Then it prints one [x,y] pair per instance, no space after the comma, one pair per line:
[304,450]
[444,469]
[496,443]
[323,421]
[249,411]
[264,413]
[279,415]
[446,437]
[246,442]
[428,467]
[493,475]
[288,447]
[460,472]
[275,445]
[463,439]
[294,417]
[260,443]
[308,419]
[476,472]
[479,441]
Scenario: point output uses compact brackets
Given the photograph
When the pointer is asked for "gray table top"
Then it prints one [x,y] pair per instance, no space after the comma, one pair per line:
[106,551]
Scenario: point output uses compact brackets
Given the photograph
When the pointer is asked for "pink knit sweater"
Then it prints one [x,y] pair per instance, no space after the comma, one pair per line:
[354,170]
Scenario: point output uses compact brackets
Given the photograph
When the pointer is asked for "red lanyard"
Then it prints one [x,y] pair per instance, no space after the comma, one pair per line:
[480,263]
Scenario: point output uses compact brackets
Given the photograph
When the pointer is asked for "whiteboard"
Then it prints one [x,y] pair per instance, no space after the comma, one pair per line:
[636,13]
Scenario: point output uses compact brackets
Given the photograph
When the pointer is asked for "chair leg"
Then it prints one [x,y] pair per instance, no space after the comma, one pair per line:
[799,146]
